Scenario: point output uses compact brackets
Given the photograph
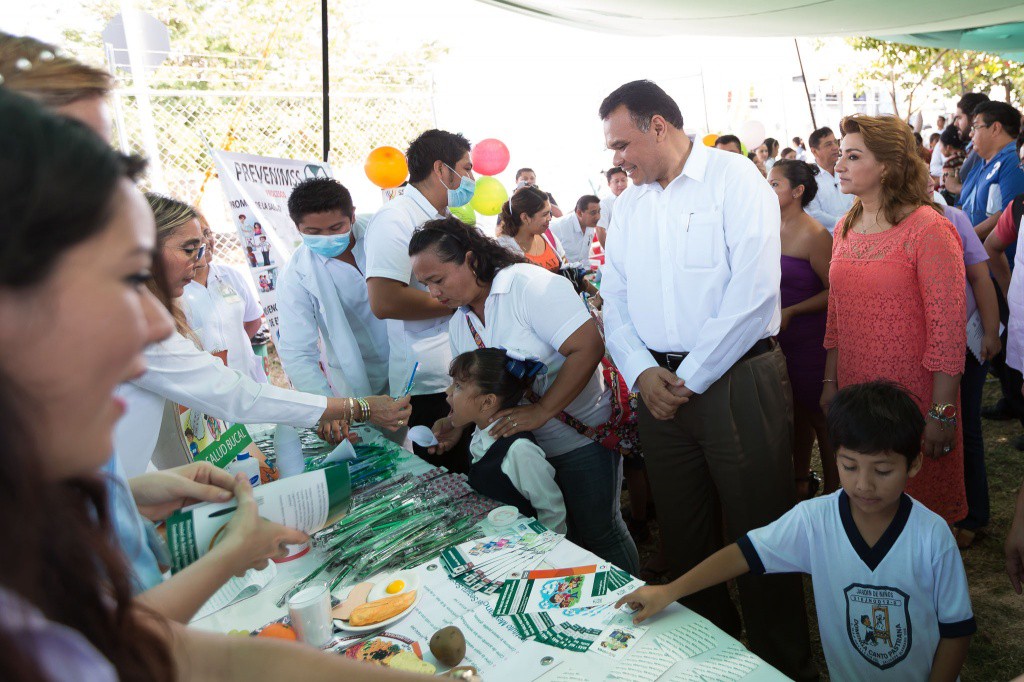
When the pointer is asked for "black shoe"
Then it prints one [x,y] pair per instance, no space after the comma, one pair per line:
[999,412]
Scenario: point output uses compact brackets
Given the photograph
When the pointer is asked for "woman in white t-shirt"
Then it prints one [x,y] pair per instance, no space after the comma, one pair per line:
[502,301]
[178,371]
[223,311]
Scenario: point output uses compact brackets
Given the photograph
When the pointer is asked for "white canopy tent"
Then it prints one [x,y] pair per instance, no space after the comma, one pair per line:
[995,26]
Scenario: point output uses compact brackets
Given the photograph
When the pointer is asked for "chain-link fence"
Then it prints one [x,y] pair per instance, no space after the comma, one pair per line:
[270,107]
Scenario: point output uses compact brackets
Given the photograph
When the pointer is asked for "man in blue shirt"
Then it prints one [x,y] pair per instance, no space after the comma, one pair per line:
[998,179]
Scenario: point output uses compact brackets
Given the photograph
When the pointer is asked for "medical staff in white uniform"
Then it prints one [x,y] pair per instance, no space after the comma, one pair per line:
[322,296]
[576,230]
[222,309]
[440,175]
[178,371]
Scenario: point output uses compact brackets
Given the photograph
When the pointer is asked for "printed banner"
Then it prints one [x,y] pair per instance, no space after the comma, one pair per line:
[257,189]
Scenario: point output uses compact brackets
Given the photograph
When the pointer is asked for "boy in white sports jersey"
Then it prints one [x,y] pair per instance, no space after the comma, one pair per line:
[889,584]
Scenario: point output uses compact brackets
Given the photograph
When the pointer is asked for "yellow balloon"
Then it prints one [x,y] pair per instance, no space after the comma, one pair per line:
[489,196]
[710,139]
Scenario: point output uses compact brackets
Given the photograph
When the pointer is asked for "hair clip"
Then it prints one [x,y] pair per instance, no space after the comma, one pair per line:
[522,367]
[23,64]
[46,56]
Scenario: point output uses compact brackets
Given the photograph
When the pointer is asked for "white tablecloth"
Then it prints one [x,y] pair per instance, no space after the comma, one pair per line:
[260,610]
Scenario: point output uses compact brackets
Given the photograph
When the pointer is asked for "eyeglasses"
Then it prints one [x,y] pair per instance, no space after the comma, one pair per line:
[980,125]
[195,253]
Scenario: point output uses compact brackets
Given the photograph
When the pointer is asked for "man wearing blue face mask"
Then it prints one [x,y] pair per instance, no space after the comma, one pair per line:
[440,176]
[322,295]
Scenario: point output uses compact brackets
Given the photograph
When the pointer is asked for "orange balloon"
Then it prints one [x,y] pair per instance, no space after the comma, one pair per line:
[386,167]
[710,139]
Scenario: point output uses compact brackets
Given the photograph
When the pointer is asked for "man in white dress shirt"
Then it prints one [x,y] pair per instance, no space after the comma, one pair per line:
[829,204]
[617,183]
[576,231]
[691,286]
[440,175]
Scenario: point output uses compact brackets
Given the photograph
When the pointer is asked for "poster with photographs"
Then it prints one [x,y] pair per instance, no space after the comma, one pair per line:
[257,189]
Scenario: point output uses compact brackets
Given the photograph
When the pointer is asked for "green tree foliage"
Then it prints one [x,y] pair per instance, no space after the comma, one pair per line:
[911,70]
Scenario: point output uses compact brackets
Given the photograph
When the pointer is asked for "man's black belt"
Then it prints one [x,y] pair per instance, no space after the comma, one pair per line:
[671,361]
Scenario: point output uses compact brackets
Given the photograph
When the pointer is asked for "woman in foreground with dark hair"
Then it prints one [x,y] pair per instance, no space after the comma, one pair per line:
[75,315]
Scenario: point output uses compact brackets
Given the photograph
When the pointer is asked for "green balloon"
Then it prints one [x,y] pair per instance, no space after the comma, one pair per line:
[464,213]
[489,196]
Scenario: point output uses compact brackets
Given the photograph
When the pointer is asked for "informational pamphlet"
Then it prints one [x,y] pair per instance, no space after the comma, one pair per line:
[307,502]
[238,589]
[564,588]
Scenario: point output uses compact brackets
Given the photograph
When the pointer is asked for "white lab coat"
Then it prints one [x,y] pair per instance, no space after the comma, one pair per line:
[217,313]
[310,308]
[178,371]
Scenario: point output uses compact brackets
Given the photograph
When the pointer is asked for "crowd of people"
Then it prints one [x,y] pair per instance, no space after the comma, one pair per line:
[740,311]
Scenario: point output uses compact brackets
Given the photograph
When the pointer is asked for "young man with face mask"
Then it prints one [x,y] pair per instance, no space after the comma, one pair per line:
[322,294]
[440,176]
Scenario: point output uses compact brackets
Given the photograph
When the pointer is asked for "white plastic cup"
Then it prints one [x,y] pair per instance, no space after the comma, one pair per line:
[310,612]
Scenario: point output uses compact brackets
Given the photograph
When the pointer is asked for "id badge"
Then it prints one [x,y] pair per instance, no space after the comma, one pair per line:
[228,293]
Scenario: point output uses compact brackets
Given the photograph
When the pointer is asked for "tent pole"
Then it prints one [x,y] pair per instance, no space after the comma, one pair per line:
[325,58]
[803,77]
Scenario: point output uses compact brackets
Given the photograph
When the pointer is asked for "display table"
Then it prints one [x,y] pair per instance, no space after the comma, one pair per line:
[705,652]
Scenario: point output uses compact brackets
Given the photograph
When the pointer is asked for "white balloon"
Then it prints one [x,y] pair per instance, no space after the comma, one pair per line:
[752,134]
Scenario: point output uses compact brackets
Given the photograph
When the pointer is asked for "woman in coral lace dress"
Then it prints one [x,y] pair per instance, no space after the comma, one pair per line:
[896,307]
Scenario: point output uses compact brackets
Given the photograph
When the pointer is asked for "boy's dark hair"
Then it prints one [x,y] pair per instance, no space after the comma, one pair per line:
[643,100]
[818,135]
[434,145]
[728,139]
[799,173]
[319,195]
[611,172]
[873,417]
[969,101]
[584,202]
[485,369]
[787,150]
[1002,113]
[524,170]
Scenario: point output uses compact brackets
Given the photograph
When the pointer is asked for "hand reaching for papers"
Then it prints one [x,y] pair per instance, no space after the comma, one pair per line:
[249,540]
[647,601]
[158,494]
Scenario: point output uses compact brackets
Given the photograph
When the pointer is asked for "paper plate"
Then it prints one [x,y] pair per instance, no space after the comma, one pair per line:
[411,581]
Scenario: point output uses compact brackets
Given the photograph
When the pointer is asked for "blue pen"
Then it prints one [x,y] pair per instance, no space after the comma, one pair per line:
[408,386]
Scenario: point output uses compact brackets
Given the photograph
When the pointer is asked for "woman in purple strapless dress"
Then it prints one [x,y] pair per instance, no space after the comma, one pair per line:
[806,252]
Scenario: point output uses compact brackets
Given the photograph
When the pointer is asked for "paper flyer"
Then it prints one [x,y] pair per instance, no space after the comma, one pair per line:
[239,588]
[563,588]
[307,502]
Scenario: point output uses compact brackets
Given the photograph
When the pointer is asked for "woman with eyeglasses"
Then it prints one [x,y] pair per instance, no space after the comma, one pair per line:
[180,372]
[222,309]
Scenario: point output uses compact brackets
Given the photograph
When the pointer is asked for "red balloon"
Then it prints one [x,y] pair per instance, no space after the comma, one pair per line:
[490,156]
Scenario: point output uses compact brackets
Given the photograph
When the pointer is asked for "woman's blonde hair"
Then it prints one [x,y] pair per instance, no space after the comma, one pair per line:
[39,71]
[905,179]
[169,214]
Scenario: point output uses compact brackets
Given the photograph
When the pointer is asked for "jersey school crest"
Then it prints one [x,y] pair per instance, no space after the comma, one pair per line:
[878,623]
